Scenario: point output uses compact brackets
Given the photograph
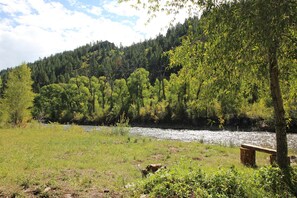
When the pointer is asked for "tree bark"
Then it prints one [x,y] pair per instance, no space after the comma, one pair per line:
[279,112]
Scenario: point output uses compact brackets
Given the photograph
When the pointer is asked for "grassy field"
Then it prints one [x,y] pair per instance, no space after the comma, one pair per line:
[50,161]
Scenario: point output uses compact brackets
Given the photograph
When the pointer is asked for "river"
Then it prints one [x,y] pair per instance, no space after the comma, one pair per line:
[228,138]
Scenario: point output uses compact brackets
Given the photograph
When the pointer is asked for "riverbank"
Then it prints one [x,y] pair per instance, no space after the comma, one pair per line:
[234,124]
[212,124]
[51,161]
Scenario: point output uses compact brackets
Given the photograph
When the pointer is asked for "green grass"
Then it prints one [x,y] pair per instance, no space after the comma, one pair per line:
[72,161]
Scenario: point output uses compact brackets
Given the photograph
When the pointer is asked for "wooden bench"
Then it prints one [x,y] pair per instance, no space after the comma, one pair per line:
[248,154]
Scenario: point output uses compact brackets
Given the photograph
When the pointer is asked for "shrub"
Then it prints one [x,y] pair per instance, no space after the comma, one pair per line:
[167,183]
[178,183]
[226,184]
[271,180]
[185,182]
[122,126]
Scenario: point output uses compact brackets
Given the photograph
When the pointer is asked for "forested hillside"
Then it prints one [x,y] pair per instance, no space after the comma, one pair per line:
[105,59]
[170,79]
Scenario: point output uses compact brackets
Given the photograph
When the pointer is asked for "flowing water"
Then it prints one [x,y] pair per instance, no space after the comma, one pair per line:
[228,138]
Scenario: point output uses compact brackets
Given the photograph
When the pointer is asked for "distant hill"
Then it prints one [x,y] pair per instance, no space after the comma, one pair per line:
[106,59]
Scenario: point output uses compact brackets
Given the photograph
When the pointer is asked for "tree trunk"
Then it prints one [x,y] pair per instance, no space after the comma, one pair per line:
[111,96]
[93,102]
[279,112]
[163,88]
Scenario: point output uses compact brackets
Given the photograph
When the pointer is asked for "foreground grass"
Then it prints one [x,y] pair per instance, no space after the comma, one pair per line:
[50,161]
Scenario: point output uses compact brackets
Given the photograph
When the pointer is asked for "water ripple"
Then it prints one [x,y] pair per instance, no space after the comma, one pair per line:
[235,138]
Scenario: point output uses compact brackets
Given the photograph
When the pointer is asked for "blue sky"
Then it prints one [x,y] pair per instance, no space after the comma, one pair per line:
[33,29]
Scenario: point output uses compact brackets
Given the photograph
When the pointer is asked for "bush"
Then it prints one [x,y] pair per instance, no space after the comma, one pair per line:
[181,182]
[226,184]
[177,183]
[167,183]
[271,180]
[122,126]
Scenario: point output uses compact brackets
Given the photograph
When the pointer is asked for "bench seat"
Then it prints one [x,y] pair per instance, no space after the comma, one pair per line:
[248,154]
[258,148]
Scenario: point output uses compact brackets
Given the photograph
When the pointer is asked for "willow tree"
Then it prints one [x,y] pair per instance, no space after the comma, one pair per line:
[18,96]
[139,89]
[250,32]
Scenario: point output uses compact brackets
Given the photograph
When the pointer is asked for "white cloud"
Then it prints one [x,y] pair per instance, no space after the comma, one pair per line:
[72,2]
[157,25]
[48,27]
[14,6]
[36,28]
[95,10]
[145,24]
[123,9]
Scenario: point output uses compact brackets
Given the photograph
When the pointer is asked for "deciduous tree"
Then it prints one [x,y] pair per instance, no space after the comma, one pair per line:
[18,96]
[246,30]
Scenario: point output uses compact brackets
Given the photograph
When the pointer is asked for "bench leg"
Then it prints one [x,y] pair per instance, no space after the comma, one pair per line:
[248,157]
[273,160]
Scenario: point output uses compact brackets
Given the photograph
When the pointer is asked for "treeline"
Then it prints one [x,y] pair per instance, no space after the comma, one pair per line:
[104,100]
[179,100]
